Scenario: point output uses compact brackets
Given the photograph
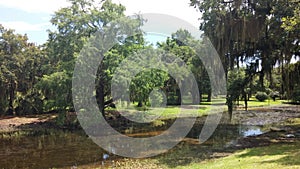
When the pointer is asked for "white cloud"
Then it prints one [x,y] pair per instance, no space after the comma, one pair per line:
[21,26]
[177,8]
[35,6]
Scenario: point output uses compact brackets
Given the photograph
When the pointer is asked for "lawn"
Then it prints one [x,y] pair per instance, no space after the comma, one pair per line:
[202,109]
[281,156]
[277,156]
[255,103]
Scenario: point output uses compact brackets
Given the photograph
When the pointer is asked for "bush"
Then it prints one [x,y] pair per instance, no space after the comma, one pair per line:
[274,95]
[261,96]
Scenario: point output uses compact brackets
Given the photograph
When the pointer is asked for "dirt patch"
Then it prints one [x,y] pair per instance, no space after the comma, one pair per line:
[268,138]
[11,123]
[278,116]
[267,115]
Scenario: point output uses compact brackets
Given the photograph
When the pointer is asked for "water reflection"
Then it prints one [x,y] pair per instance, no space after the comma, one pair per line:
[47,149]
[250,130]
[55,148]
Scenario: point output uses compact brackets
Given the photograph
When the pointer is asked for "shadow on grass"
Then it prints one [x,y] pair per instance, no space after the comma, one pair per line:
[286,151]
[290,153]
[184,155]
[190,151]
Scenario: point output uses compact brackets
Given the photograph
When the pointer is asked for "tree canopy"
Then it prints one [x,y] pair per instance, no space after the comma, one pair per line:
[256,40]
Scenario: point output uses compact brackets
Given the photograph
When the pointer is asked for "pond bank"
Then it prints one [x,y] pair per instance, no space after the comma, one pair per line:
[75,150]
[13,123]
[281,128]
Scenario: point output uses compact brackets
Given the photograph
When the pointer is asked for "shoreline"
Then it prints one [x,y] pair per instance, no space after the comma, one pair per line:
[285,131]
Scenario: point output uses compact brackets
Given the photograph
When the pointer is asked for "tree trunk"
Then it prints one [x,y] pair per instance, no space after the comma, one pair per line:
[229,102]
[245,100]
[140,104]
[11,98]
[100,98]
[261,79]
[195,99]
[179,101]
[200,97]
[209,96]
[282,80]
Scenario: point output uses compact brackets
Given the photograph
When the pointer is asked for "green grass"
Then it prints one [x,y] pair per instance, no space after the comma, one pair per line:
[277,156]
[292,122]
[281,156]
[202,109]
[255,103]
[172,111]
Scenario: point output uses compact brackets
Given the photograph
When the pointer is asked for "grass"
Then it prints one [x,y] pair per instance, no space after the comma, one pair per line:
[255,103]
[292,122]
[282,156]
[202,109]
[277,156]
[170,111]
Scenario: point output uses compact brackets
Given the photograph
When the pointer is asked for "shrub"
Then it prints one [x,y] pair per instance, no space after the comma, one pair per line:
[261,96]
[273,95]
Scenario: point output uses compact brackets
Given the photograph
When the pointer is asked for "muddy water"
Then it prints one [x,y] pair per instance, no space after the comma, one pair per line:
[57,148]
[46,149]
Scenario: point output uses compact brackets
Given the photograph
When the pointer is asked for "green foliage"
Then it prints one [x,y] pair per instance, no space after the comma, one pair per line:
[235,84]
[291,23]
[60,119]
[145,82]
[254,32]
[258,34]
[56,88]
[76,25]
[291,76]
[20,70]
[235,81]
[261,96]
[183,45]
[156,99]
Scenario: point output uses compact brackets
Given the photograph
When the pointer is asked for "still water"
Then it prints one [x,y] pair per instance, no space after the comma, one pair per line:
[66,149]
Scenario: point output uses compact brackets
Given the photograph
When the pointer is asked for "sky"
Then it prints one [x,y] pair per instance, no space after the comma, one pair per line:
[32,17]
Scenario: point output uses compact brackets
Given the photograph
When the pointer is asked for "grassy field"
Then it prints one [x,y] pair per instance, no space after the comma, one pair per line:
[255,103]
[281,156]
[198,110]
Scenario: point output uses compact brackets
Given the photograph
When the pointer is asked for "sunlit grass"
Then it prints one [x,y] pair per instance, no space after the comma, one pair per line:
[204,108]
[283,156]
[255,103]
[293,122]
[173,111]
[275,156]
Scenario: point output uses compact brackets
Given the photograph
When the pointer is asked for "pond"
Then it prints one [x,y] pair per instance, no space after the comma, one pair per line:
[46,149]
[53,148]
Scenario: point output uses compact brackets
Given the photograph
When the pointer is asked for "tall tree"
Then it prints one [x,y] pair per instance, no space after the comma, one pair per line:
[75,25]
[20,64]
[256,32]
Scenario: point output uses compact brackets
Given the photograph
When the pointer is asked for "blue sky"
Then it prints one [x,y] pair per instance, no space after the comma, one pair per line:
[32,17]
[29,17]
[34,25]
